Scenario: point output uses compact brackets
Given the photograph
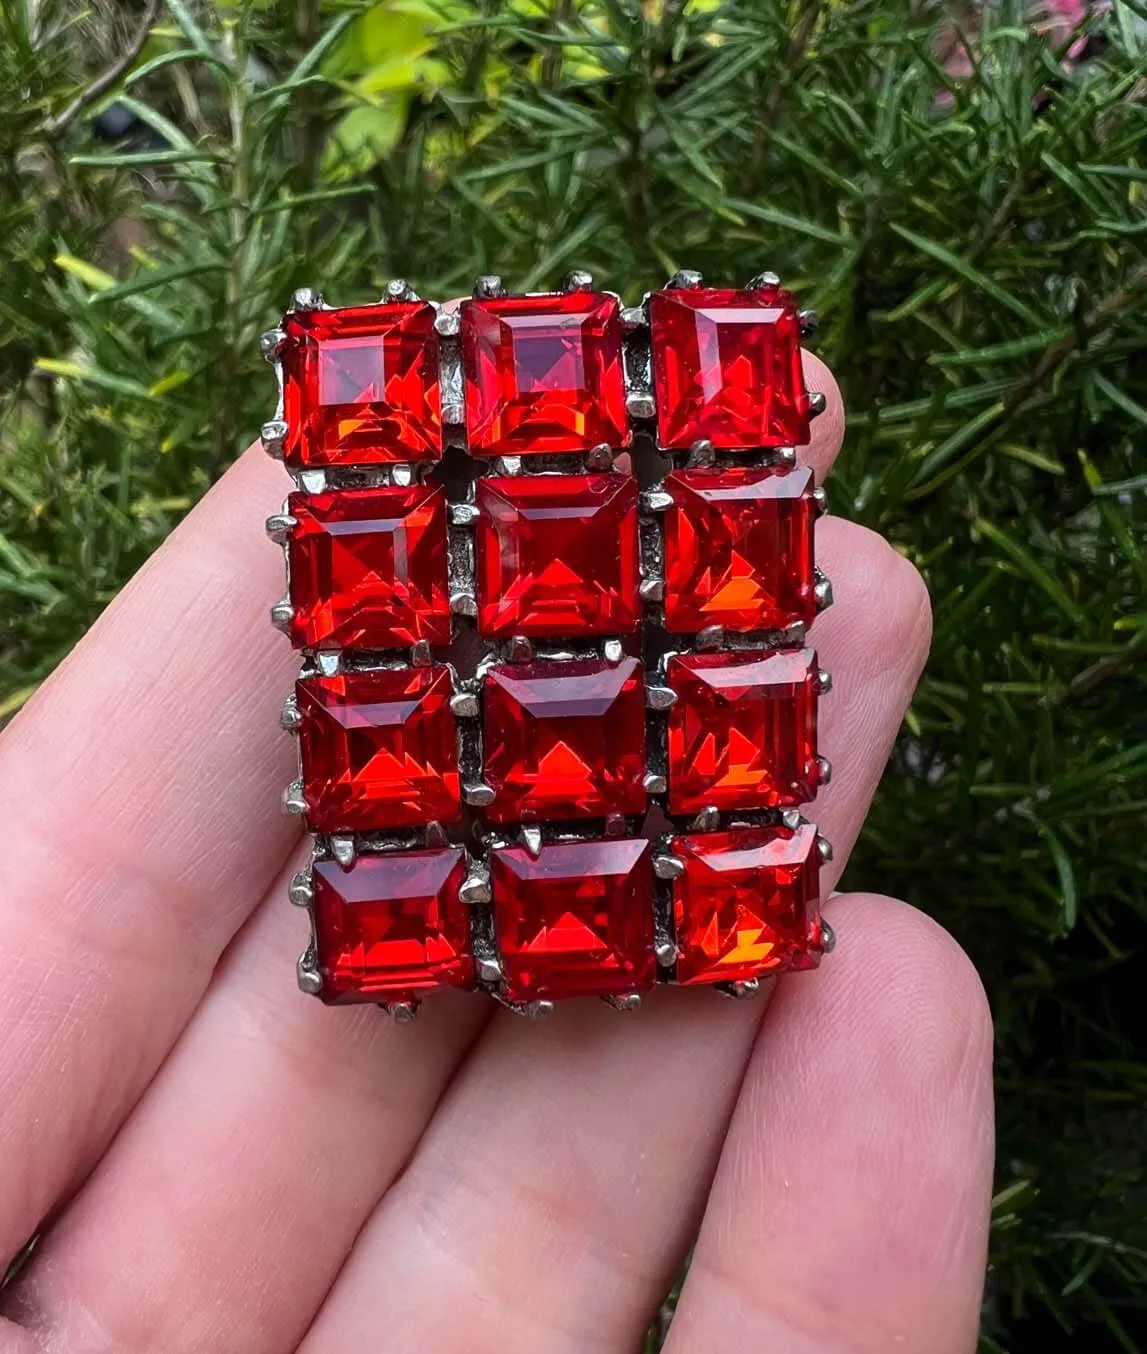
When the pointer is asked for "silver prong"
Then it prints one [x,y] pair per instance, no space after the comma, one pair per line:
[763,281]
[615,825]
[791,818]
[306,298]
[666,952]
[656,500]
[613,651]
[793,634]
[653,783]
[708,820]
[478,794]
[631,1001]
[329,662]
[398,289]
[272,434]
[599,457]
[701,454]
[711,637]
[463,514]
[289,717]
[271,343]
[309,978]
[488,287]
[463,604]
[343,850]
[820,500]
[652,589]
[401,1012]
[666,866]
[436,834]
[817,403]
[634,317]
[823,681]
[464,705]
[809,322]
[686,278]
[282,614]
[578,280]
[827,937]
[420,655]
[313,481]
[660,697]
[750,987]
[402,476]
[785,456]
[448,323]
[519,649]
[476,886]
[824,849]
[640,404]
[531,838]
[538,1010]
[824,770]
[453,413]
[279,527]
[823,594]
[507,465]
[489,970]
[301,891]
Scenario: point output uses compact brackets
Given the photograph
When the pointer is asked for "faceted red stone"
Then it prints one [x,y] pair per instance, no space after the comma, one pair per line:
[557,555]
[392,927]
[577,920]
[739,549]
[747,903]
[727,368]
[379,749]
[565,739]
[543,374]
[360,385]
[368,568]
[742,734]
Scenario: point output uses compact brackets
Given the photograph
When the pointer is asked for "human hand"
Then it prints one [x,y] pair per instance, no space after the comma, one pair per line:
[224,1165]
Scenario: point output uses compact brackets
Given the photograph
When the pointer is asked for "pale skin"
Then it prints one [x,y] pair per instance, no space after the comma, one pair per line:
[219,1164]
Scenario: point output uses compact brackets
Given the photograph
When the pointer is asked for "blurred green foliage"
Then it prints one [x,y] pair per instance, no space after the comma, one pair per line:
[975,247]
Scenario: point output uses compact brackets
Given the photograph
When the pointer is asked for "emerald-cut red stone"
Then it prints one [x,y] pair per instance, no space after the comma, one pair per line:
[739,549]
[360,385]
[747,903]
[379,749]
[742,733]
[727,368]
[565,739]
[557,555]
[391,927]
[543,374]
[574,920]
[368,568]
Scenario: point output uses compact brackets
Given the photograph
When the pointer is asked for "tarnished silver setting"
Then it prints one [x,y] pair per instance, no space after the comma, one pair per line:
[466,701]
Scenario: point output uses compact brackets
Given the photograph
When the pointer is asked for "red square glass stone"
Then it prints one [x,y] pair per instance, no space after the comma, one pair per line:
[727,368]
[557,555]
[742,732]
[379,749]
[543,374]
[739,549]
[576,920]
[747,903]
[360,385]
[392,927]
[565,739]
[368,568]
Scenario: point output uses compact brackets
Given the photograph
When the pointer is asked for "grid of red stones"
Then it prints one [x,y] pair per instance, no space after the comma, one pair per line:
[557,557]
